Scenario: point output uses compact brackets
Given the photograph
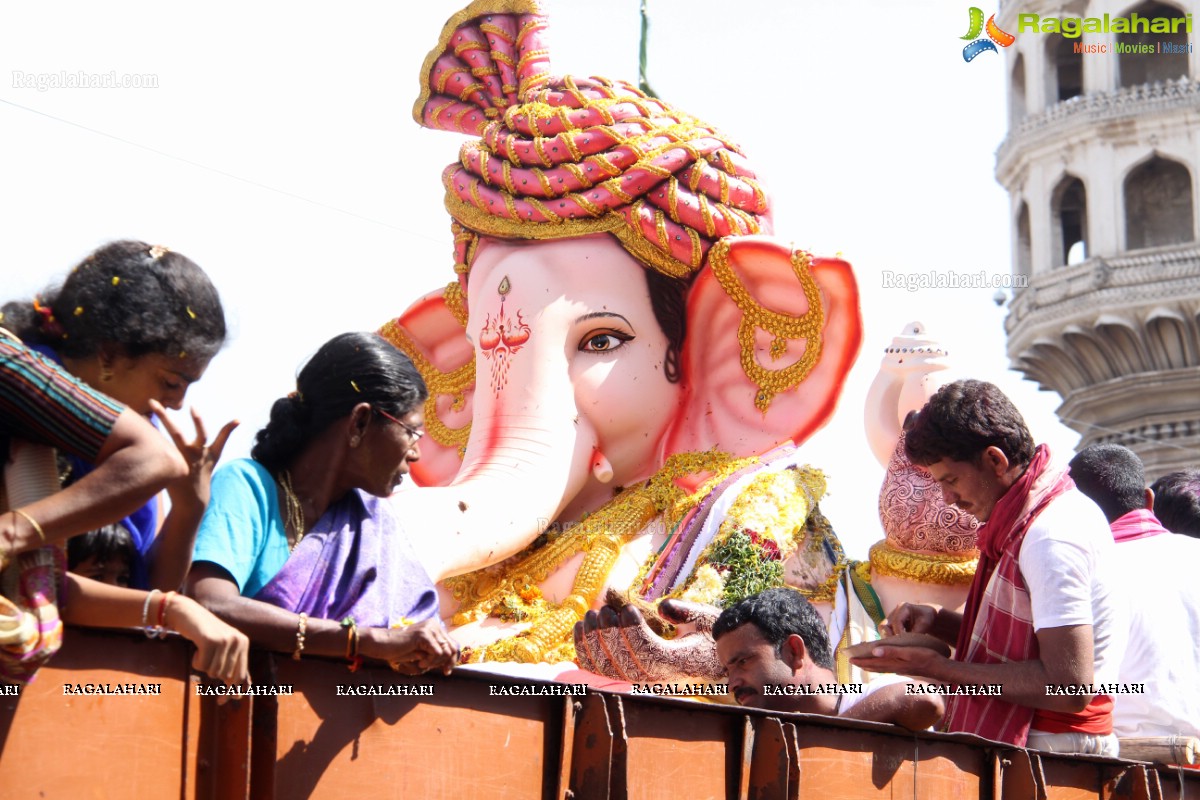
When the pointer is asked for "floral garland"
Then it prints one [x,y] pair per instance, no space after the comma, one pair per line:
[773,518]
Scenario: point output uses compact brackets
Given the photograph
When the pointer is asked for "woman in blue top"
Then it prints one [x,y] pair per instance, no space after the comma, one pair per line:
[300,547]
[140,324]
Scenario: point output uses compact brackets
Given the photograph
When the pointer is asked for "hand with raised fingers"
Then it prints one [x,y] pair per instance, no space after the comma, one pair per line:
[201,457]
[622,645]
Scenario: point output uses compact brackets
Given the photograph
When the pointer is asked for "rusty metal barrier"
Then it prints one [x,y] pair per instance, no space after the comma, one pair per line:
[375,734]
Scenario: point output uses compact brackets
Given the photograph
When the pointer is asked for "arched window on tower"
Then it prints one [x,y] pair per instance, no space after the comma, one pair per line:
[1135,68]
[1016,92]
[1024,243]
[1068,203]
[1064,70]
[1158,204]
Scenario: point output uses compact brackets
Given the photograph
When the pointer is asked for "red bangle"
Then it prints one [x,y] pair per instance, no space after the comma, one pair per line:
[162,610]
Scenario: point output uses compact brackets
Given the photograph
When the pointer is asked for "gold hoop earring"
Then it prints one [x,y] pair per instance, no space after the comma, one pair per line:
[106,373]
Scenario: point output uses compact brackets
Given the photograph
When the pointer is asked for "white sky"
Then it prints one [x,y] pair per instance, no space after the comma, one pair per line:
[279,153]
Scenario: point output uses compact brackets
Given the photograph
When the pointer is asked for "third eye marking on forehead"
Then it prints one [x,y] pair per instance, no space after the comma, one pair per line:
[600,314]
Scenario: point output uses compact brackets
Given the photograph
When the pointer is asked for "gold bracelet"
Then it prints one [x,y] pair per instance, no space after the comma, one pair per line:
[351,637]
[300,631]
[41,533]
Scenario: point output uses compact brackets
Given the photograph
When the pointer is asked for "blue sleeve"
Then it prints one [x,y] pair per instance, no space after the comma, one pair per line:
[242,531]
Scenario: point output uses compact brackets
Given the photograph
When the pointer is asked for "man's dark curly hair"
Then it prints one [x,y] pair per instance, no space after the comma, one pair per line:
[963,419]
[779,613]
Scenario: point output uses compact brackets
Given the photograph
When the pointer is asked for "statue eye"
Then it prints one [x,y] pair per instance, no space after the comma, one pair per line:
[603,341]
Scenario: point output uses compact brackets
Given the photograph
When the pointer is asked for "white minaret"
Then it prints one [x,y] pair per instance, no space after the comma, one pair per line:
[1102,165]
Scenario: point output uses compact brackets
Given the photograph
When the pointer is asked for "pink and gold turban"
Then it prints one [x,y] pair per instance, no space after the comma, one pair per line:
[561,157]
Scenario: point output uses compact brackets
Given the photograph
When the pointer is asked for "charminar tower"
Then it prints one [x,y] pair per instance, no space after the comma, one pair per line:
[1100,163]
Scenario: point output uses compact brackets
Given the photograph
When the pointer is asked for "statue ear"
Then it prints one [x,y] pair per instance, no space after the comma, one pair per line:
[432,333]
[719,398]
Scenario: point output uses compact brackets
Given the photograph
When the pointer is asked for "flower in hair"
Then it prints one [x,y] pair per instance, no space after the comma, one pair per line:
[48,323]
[157,251]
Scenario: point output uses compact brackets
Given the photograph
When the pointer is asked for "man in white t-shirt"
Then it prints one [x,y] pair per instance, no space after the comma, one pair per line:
[776,653]
[1043,618]
[1158,570]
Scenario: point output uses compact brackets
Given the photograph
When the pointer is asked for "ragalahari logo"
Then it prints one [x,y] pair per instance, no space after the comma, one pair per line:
[983,45]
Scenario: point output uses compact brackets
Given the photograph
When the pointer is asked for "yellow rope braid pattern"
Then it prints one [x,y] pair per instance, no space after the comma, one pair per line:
[945,569]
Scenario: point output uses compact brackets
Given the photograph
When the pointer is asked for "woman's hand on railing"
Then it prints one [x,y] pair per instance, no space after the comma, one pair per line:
[411,650]
[221,649]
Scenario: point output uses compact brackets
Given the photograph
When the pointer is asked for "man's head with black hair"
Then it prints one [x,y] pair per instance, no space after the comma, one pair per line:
[1177,501]
[775,637]
[1113,477]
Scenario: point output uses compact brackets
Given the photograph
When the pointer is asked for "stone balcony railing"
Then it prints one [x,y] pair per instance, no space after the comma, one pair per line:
[1103,284]
[1086,110]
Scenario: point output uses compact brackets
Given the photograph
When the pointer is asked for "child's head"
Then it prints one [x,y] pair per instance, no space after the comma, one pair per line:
[105,555]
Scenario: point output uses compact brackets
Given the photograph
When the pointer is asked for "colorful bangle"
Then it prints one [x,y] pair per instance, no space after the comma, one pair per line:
[162,612]
[352,655]
[151,631]
[301,630]
[33,522]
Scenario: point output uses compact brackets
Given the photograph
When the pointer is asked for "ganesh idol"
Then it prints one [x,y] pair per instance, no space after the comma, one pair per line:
[620,372]
[928,553]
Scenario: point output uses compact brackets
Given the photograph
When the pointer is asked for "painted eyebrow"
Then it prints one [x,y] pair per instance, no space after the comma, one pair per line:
[599,314]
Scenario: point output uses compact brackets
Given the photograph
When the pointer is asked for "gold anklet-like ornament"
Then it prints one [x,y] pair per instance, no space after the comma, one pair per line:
[946,569]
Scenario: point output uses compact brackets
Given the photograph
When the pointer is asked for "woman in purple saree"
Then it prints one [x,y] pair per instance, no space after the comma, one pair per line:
[299,547]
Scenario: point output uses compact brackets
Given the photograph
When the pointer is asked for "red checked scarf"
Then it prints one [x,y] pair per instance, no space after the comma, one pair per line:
[997,624]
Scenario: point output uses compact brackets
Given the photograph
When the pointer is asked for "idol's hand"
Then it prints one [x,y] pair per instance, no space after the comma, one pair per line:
[621,645]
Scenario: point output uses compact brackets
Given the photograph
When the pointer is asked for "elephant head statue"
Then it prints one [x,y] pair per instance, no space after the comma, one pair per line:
[927,555]
[623,329]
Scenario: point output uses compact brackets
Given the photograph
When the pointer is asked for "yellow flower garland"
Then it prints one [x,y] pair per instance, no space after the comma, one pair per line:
[777,506]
